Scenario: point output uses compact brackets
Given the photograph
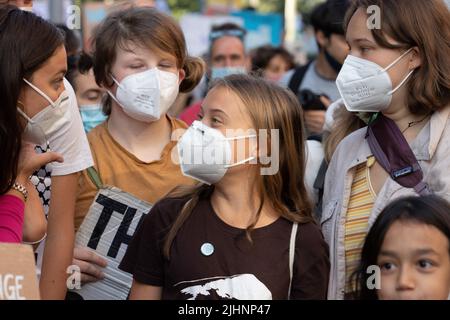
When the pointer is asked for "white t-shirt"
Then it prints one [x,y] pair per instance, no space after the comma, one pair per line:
[71,142]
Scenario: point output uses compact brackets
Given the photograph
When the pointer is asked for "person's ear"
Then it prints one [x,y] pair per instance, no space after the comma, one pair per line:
[415,60]
[181,75]
[321,39]
[108,83]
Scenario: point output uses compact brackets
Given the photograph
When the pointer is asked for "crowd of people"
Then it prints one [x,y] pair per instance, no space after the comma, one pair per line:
[264,179]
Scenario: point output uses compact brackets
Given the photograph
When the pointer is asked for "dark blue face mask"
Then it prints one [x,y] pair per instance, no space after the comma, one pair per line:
[336,65]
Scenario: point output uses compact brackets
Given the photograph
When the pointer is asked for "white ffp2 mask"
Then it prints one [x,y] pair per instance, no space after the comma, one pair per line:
[48,121]
[365,86]
[205,153]
[147,95]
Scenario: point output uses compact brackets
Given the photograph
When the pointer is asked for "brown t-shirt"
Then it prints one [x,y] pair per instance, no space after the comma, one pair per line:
[231,268]
[119,168]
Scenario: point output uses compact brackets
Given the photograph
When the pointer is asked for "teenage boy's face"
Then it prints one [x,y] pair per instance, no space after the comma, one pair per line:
[415,263]
[138,59]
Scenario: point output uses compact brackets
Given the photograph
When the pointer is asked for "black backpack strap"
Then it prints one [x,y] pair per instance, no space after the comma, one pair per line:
[297,78]
[319,185]
[315,137]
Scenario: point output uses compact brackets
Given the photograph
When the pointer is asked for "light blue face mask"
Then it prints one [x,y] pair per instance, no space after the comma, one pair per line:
[219,73]
[92,116]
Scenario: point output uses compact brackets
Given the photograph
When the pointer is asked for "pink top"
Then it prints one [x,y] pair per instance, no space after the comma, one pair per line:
[190,114]
[12,210]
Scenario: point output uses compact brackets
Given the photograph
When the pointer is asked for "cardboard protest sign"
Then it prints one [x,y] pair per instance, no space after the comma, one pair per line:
[18,279]
[108,229]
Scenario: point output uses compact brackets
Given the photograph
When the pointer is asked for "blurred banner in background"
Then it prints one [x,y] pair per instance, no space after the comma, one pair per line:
[196,28]
[271,22]
[262,29]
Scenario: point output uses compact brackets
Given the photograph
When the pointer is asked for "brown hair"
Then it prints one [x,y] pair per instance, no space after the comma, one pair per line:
[262,56]
[27,42]
[272,108]
[143,26]
[422,24]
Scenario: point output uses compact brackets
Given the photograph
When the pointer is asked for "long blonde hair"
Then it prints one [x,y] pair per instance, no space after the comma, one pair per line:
[269,107]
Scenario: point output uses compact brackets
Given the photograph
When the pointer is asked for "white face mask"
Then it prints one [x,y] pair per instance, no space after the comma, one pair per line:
[205,153]
[148,95]
[48,121]
[365,86]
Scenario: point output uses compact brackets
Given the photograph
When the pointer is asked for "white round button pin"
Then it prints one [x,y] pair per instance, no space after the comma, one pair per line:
[207,249]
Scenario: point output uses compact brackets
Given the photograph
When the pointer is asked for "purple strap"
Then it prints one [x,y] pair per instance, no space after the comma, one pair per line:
[394,154]
[422,189]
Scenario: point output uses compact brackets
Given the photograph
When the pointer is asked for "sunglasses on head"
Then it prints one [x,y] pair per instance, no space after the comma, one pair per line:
[214,35]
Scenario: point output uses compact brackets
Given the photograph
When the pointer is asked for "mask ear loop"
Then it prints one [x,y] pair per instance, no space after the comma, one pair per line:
[398,59]
[41,93]
[242,161]
[239,163]
[23,114]
[111,94]
[401,83]
[406,78]
[113,97]
[115,81]
[241,137]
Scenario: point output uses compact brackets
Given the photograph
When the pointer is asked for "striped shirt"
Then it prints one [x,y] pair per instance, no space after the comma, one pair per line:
[362,198]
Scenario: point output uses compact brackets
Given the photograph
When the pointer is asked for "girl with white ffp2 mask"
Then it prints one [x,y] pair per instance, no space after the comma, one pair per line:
[365,86]
[230,228]
[399,74]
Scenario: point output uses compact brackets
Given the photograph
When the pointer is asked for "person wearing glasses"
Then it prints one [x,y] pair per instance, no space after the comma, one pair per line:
[227,55]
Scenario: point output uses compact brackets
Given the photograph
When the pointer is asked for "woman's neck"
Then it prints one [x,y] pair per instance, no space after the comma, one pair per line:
[408,123]
[236,201]
[145,141]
